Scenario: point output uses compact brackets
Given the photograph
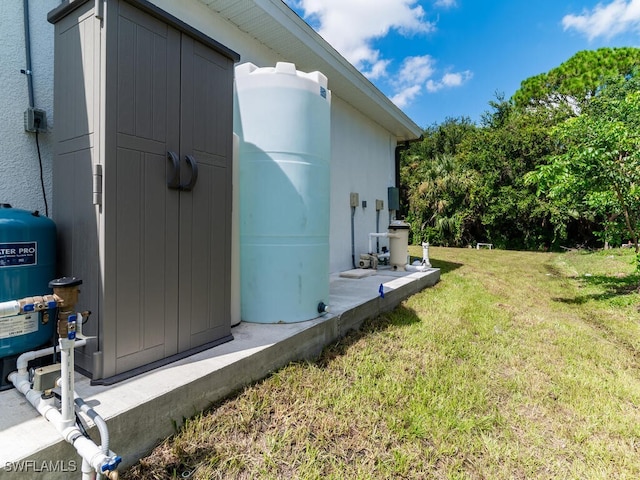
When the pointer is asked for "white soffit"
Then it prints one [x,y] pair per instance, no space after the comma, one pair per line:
[274,24]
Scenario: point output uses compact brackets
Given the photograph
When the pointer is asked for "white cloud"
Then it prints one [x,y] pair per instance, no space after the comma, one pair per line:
[351,26]
[406,95]
[415,75]
[445,3]
[411,78]
[449,80]
[415,70]
[608,20]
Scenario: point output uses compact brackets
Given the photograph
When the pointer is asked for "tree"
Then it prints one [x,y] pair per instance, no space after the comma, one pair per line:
[577,80]
[437,202]
[512,182]
[511,143]
[436,185]
[597,171]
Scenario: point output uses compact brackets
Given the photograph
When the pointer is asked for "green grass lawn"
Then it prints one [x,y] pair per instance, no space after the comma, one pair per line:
[516,365]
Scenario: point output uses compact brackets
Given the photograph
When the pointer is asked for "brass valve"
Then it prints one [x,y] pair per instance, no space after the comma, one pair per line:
[66,291]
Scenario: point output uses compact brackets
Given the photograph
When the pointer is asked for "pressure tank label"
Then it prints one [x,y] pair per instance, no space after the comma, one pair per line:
[18,254]
[18,325]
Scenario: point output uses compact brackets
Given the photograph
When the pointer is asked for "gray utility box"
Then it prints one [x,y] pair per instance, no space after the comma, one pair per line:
[142,182]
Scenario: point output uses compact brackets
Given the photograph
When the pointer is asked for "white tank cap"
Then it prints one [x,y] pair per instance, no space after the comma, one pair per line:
[245,68]
[286,67]
[282,68]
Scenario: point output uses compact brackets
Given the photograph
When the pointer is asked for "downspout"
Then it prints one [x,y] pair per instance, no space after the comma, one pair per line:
[399,148]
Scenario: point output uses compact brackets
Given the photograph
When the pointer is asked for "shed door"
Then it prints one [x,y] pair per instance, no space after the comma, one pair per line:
[147,212]
[173,246]
[205,211]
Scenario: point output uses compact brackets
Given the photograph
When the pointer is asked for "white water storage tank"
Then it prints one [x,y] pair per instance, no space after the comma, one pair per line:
[282,117]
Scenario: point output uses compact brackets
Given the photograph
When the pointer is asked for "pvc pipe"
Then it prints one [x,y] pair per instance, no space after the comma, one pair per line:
[24,359]
[9,309]
[416,268]
[95,459]
[85,447]
[425,254]
[383,234]
[67,381]
[87,472]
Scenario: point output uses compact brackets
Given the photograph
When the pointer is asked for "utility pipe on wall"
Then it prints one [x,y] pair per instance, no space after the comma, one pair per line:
[353,237]
[27,46]
[377,231]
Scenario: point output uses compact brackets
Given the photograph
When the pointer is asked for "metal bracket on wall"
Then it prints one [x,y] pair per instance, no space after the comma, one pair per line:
[97,184]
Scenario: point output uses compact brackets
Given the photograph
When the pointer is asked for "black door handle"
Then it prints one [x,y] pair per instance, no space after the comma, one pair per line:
[173,177]
[191,161]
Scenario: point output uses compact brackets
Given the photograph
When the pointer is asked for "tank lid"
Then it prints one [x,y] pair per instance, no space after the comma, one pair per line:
[286,69]
[5,205]
[399,224]
[65,282]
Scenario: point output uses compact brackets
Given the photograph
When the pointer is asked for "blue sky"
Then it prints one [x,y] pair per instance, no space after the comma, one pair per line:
[449,58]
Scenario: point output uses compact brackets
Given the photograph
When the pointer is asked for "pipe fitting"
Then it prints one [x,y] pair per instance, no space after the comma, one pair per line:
[112,475]
[24,359]
[323,308]
[416,268]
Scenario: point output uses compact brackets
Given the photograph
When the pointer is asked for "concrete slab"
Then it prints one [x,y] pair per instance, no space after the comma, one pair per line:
[142,411]
[358,273]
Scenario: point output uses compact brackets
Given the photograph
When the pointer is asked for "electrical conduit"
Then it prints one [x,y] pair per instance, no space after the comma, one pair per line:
[353,237]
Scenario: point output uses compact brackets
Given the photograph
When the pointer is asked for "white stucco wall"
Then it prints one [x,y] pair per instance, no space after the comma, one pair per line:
[19,169]
[362,161]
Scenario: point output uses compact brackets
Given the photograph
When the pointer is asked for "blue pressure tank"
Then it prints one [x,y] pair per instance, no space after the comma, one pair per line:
[282,117]
[27,264]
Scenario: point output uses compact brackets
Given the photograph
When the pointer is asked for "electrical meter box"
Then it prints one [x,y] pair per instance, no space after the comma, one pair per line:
[394,198]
